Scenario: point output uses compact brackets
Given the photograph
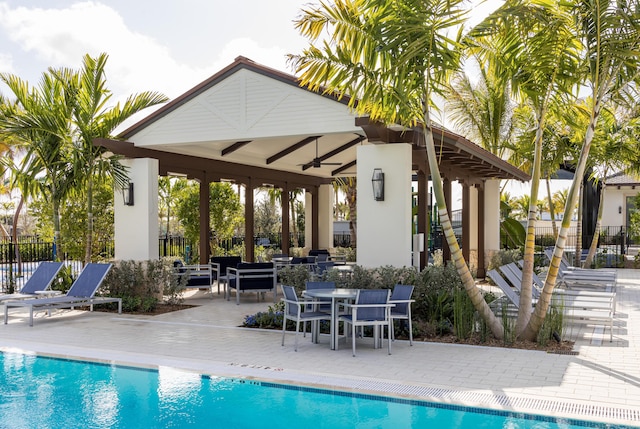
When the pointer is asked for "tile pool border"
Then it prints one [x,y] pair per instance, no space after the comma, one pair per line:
[523,408]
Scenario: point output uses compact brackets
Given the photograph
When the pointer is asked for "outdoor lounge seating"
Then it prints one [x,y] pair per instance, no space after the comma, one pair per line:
[298,312]
[576,309]
[39,281]
[257,277]
[371,308]
[198,275]
[80,294]
[219,265]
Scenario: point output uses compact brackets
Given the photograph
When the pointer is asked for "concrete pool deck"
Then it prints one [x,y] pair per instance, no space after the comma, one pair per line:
[599,383]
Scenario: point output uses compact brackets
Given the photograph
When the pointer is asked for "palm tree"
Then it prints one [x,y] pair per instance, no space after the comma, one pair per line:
[610,34]
[169,188]
[484,109]
[39,120]
[534,44]
[391,57]
[93,118]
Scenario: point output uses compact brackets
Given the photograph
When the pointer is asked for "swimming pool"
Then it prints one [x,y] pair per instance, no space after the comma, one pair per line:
[44,392]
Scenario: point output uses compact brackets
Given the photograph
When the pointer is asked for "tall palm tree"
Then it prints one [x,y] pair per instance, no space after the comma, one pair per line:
[391,58]
[610,34]
[93,118]
[39,120]
[533,43]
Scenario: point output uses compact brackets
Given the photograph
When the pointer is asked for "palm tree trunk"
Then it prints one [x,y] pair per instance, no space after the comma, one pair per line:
[542,306]
[353,216]
[14,234]
[577,258]
[472,290]
[526,291]
[552,209]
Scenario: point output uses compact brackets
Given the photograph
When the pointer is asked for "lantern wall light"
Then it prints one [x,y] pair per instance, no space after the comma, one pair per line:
[127,194]
[377,181]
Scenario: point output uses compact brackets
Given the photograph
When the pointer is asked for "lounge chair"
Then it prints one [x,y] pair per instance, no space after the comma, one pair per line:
[297,311]
[257,277]
[39,281]
[371,308]
[80,294]
[577,309]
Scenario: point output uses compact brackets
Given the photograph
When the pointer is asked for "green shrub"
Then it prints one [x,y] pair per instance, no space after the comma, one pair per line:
[143,284]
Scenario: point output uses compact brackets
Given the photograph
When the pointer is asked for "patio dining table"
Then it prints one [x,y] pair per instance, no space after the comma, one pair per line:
[336,296]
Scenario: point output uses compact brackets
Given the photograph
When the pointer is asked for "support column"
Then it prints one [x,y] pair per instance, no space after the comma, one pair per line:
[285,219]
[325,217]
[446,185]
[466,222]
[481,272]
[491,223]
[384,227]
[315,222]
[423,215]
[205,222]
[136,227]
[248,221]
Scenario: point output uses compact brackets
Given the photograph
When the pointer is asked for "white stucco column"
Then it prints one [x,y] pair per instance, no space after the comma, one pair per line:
[384,227]
[491,218]
[325,216]
[136,227]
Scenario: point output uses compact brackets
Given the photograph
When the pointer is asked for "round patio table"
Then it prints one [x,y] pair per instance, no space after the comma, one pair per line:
[336,296]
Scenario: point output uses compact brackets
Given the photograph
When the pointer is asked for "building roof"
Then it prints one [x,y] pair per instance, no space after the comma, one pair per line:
[251,116]
[622,179]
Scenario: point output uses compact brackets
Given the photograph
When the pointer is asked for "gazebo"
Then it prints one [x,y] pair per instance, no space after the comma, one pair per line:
[255,126]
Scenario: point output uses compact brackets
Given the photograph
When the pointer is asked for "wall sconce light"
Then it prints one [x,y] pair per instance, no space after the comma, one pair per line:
[127,194]
[619,209]
[377,181]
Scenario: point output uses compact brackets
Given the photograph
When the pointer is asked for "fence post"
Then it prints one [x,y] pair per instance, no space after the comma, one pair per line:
[622,240]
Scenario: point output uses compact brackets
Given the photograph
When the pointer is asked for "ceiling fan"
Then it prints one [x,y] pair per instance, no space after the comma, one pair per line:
[317,161]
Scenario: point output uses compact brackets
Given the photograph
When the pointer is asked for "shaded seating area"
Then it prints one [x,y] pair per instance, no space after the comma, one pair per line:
[81,294]
[38,283]
[259,277]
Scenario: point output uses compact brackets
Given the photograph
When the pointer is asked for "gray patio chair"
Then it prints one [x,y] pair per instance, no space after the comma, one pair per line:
[371,308]
[296,310]
[401,297]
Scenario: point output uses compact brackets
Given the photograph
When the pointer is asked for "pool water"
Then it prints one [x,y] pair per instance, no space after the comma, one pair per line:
[42,392]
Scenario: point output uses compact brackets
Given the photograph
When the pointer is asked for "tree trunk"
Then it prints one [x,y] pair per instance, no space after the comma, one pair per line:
[552,209]
[542,306]
[577,258]
[353,216]
[14,235]
[481,306]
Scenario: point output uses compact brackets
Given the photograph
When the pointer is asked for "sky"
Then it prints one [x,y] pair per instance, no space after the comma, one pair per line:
[166,46]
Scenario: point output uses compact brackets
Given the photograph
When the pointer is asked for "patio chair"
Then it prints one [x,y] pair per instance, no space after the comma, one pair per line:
[219,265]
[326,303]
[39,281]
[371,308]
[401,297]
[322,267]
[80,294]
[251,277]
[298,312]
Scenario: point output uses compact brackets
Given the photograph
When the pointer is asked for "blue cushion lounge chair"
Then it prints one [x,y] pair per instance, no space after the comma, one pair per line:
[294,310]
[219,265]
[39,281]
[371,308]
[257,277]
[80,294]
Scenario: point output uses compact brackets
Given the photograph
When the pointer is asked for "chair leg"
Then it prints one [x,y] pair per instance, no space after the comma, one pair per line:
[353,338]
[297,329]
[389,327]
[284,328]
[410,331]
